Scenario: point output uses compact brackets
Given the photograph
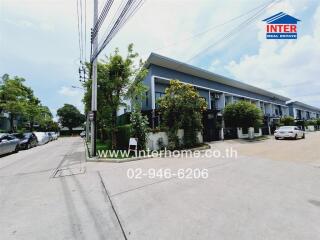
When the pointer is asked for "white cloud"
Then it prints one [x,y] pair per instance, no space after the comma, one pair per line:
[288,67]
[72,96]
[68,91]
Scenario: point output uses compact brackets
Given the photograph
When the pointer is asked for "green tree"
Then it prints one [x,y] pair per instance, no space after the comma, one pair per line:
[19,100]
[116,76]
[13,96]
[242,114]
[70,116]
[44,118]
[182,107]
[287,121]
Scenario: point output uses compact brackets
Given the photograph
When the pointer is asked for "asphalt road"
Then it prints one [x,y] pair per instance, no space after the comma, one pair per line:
[46,193]
[50,193]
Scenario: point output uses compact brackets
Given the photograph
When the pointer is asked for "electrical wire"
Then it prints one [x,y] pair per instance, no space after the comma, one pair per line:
[101,18]
[211,28]
[235,30]
[79,31]
[126,13]
[85,30]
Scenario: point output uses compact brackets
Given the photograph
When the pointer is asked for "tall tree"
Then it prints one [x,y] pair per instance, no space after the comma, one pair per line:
[70,116]
[182,107]
[19,100]
[116,75]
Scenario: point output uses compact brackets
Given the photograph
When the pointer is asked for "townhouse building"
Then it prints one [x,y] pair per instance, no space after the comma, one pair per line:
[217,90]
[302,111]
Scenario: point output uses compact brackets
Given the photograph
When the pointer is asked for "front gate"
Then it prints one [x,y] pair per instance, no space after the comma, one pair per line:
[211,126]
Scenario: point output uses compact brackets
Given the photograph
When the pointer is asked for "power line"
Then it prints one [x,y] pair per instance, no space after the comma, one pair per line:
[235,30]
[214,27]
[85,30]
[127,11]
[79,31]
[101,18]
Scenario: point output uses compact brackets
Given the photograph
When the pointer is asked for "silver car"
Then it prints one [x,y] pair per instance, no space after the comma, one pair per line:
[8,143]
[289,132]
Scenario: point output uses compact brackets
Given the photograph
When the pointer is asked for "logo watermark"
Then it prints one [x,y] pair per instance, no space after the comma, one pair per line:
[281,26]
[187,153]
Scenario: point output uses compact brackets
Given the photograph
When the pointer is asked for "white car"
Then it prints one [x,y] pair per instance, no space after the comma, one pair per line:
[42,137]
[289,132]
[54,135]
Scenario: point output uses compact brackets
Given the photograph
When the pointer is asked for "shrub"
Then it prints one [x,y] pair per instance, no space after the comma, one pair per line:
[140,128]
[123,119]
[243,115]
[311,123]
[123,135]
[301,123]
[287,121]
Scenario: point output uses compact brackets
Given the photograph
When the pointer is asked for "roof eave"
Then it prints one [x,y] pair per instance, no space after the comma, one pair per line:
[224,80]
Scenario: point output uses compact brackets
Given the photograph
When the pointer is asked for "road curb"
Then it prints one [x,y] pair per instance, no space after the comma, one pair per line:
[122,160]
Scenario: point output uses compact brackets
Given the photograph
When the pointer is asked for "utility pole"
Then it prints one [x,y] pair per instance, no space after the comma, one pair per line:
[94,84]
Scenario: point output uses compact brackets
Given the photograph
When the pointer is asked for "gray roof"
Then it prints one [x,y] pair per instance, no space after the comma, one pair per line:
[301,104]
[169,63]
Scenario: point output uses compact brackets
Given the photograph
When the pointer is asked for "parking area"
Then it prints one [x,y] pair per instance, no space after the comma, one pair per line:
[301,150]
[253,196]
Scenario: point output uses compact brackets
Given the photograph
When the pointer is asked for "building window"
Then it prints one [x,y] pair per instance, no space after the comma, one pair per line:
[159,95]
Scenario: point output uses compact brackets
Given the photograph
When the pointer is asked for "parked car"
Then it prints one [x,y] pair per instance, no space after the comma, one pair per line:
[83,134]
[27,140]
[42,137]
[54,135]
[289,132]
[8,143]
[49,134]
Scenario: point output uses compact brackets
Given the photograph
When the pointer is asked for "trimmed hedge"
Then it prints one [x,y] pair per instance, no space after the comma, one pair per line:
[123,136]
[123,119]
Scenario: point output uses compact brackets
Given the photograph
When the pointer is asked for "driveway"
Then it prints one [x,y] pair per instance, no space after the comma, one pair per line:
[49,192]
[253,196]
[301,150]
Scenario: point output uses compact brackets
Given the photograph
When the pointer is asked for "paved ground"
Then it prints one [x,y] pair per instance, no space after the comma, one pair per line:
[44,194]
[252,197]
[292,150]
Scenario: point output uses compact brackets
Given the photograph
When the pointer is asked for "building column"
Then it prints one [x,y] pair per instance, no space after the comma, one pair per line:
[153,95]
[223,100]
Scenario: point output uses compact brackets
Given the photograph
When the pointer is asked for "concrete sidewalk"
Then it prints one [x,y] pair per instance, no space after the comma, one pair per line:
[244,198]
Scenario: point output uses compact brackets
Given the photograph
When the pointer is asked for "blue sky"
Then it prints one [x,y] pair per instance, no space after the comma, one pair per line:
[39,41]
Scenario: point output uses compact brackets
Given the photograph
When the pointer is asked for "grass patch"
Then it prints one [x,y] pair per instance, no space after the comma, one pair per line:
[105,146]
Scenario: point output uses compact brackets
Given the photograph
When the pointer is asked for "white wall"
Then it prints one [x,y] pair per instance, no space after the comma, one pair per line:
[152,142]
[250,133]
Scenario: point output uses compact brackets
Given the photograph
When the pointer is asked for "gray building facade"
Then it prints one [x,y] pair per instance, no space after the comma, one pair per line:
[302,111]
[217,90]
